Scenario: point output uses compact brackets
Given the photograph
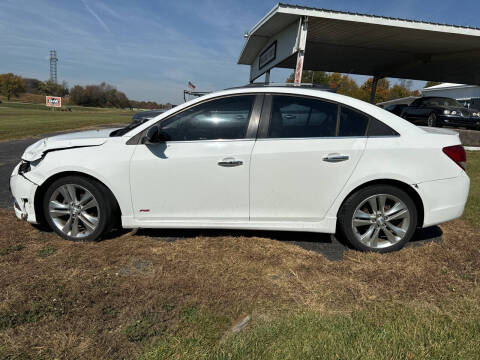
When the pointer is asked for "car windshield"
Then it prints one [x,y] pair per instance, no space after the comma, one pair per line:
[137,119]
[124,130]
[147,114]
[441,101]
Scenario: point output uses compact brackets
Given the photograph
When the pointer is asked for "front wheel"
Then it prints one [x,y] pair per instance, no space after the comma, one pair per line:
[432,120]
[77,208]
[379,218]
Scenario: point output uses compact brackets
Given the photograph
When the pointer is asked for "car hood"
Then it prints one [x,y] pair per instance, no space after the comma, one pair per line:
[66,141]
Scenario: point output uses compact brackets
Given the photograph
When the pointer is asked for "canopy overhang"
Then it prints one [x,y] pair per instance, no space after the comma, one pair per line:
[362,44]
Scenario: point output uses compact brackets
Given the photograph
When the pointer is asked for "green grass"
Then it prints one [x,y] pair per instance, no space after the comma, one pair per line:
[10,249]
[385,332]
[380,331]
[32,106]
[472,209]
[20,120]
[140,330]
[47,251]
[11,320]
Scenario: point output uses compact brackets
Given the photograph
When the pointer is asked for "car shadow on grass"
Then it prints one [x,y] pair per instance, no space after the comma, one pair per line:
[425,236]
[326,244]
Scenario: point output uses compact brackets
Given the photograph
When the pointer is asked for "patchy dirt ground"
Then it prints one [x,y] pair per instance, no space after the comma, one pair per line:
[99,300]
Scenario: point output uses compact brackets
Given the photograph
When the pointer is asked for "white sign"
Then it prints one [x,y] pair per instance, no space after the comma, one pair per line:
[268,55]
[276,50]
[53,101]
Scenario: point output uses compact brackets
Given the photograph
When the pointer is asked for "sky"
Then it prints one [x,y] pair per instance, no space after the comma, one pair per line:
[150,49]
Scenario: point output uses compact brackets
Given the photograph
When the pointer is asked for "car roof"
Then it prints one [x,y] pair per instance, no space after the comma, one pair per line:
[311,86]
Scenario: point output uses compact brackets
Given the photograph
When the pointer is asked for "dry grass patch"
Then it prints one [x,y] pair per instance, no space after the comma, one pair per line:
[114,298]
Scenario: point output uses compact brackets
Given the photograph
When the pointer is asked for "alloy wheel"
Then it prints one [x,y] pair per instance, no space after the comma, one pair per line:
[381,221]
[74,210]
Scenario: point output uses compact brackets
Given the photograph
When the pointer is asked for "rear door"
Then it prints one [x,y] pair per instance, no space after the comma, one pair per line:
[306,150]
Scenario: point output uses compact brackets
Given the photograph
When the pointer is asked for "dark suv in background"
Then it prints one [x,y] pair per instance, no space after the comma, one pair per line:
[441,111]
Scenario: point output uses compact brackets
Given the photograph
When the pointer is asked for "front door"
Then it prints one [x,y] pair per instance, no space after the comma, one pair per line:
[302,162]
[202,171]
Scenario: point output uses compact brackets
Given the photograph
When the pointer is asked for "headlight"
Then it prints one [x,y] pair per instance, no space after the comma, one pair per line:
[446,112]
[35,151]
[454,112]
[24,167]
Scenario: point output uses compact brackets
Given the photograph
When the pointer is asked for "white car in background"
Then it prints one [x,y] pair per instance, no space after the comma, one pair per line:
[270,158]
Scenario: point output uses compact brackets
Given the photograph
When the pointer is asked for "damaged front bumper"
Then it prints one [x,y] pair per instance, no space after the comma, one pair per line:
[23,192]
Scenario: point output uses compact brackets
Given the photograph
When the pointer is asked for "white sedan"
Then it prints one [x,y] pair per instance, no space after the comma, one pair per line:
[269,158]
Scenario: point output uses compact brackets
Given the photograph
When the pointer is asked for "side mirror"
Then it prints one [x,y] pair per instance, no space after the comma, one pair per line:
[151,137]
[155,135]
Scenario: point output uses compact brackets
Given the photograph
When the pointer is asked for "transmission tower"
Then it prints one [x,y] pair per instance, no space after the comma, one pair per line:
[53,66]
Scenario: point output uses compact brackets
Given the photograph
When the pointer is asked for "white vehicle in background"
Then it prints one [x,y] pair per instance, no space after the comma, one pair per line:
[257,157]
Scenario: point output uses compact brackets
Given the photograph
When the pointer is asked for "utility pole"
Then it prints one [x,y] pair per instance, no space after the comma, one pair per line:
[374,89]
[53,66]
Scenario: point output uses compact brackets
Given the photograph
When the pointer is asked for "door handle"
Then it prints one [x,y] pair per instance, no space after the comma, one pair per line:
[230,162]
[335,158]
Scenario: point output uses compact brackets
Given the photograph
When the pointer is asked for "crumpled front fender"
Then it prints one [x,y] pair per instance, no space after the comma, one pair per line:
[41,147]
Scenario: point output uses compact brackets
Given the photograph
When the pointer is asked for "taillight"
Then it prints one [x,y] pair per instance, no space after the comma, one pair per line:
[457,154]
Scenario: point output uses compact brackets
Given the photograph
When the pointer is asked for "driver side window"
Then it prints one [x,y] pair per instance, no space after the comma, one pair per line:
[225,118]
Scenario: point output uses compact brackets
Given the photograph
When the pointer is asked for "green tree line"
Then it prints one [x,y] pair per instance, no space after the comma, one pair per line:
[101,95]
[105,95]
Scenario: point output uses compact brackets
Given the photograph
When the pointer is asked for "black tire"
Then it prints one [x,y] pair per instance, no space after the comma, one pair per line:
[104,206]
[432,120]
[345,228]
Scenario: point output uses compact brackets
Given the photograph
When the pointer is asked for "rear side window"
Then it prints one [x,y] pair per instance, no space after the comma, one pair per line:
[296,117]
[378,128]
[352,123]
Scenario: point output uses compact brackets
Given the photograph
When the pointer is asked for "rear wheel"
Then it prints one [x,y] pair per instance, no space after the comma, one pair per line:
[78,208]
[378,218]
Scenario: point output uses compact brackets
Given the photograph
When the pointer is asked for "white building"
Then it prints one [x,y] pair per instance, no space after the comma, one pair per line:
[469,95]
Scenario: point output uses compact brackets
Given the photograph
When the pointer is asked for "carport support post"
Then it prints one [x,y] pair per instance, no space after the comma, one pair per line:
[374,89]
[301,42]
[267,77]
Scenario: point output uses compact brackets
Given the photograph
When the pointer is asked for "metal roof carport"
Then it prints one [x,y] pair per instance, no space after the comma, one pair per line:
[300,38]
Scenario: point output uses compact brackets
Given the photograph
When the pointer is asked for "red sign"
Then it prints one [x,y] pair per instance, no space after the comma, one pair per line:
[298,71]
[53,101]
